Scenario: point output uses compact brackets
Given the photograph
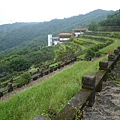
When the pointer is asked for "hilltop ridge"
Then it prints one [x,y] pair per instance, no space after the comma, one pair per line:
[23,35]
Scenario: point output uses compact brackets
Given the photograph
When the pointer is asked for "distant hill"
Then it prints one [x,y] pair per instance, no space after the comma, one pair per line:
[112,23]
[112,20]
[23,35]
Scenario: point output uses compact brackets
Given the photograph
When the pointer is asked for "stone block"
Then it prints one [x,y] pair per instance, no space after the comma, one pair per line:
[59,66]
[103,65]
[116,52]
[35,77]
[10,88]
[111,57]
[88,82]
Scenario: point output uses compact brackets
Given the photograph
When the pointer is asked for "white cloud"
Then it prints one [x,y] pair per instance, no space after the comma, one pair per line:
[45,10]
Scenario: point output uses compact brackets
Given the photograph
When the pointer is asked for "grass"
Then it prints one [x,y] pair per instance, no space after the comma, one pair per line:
[90,40]
[111,47]
[55,93]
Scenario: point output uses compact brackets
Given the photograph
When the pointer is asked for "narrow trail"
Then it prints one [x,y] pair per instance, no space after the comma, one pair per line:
[107,102]
[18,90]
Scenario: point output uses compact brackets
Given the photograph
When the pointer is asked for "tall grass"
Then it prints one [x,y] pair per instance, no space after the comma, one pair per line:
[111,47]
[54,93]
[90,40]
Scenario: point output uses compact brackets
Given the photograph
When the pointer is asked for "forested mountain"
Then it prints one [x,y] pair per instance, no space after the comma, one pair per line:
[9,27]
[23,35]
[112,20]
[111,23]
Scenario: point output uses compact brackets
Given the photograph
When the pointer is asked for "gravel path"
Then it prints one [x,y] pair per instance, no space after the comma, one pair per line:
[107,103]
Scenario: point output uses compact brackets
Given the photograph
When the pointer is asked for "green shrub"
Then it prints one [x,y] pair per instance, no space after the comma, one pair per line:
[24,79]
[90,53]
[95,48]
[97,54]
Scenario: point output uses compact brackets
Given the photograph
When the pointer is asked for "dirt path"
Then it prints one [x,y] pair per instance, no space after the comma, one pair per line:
[17,90]
[107,103]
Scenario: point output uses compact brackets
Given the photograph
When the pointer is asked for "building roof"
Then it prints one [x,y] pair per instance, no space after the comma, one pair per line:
[65,34]
[79,29]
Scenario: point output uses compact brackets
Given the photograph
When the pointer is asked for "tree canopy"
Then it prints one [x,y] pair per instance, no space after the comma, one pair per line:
[112,20]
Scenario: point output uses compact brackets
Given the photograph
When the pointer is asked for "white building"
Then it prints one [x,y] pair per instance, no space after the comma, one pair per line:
[55,40]
[62,37]
[52,40]
[65,36]
[78,31]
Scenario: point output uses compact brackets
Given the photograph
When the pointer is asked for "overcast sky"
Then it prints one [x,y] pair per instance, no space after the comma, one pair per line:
[44,10]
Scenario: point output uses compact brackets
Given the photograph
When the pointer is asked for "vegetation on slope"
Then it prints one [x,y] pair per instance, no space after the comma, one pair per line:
[110,36]
[112,23]
[37,57]
[24,35]
[53,93]
[112,20]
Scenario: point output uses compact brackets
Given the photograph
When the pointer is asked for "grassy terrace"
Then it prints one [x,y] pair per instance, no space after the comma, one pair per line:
[109,47]
[90,40]
[112,46]
[55,92]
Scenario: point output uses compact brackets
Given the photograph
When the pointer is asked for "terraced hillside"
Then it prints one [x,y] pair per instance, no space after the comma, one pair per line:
[55,92]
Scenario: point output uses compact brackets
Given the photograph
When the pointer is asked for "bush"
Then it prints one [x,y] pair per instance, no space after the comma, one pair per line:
[95,48]
[97,54]
[90,53]
[78,41]
[24,79]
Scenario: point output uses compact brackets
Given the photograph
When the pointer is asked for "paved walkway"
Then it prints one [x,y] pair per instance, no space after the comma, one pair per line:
[107,103]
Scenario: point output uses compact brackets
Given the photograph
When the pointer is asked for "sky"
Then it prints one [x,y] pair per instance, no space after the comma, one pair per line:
[45,10]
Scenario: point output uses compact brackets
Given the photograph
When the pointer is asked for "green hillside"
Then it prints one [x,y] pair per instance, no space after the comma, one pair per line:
[112,23]
[112,20]
[22,35]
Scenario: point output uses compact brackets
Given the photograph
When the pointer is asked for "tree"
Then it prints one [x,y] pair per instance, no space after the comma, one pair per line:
[24,78]
[112,20]
[64,53]
[90,53]
[1,56]
[93,26]
[19,64]
[4,67]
